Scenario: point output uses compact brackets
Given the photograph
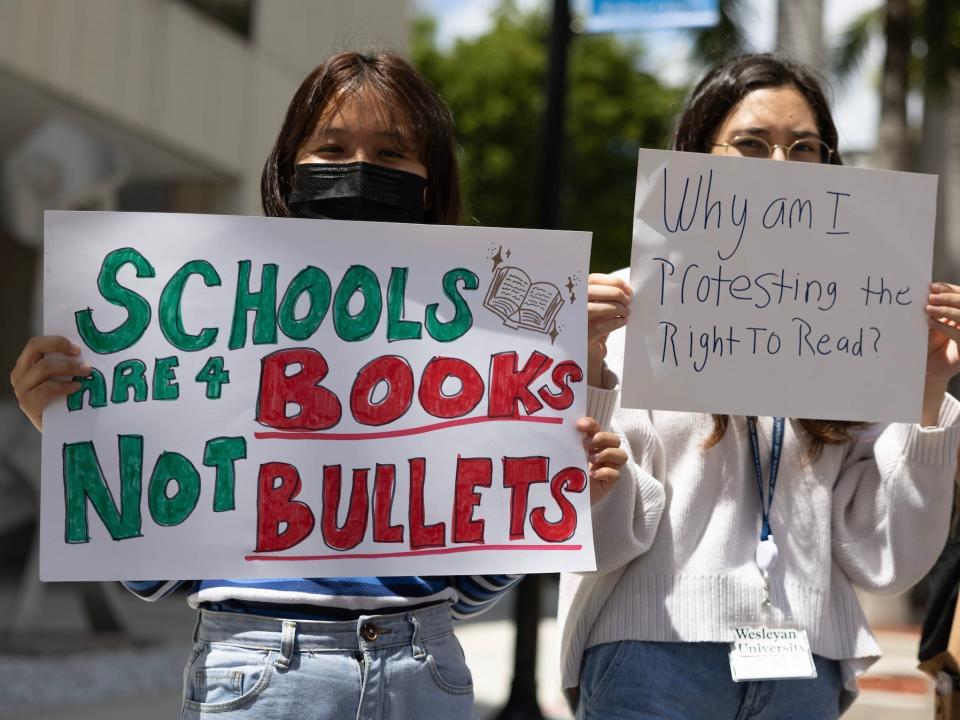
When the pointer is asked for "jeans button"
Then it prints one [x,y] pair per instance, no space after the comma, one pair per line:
[369,631]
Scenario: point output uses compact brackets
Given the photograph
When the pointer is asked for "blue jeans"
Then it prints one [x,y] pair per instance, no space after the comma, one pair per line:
[631,680]
[383,667]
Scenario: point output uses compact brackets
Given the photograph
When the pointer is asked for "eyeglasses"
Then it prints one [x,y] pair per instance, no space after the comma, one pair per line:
[809,150]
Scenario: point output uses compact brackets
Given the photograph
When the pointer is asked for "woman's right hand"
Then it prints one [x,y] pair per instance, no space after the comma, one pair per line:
[606,458]
[38,379]
[608,308]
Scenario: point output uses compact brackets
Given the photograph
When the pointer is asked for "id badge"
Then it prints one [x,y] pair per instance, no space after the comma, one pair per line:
[770,653]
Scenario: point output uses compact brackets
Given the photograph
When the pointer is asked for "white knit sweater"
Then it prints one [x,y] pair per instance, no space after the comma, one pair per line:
[675,539]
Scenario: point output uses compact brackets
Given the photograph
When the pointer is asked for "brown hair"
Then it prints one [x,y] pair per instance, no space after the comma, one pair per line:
[821,432]
[712,100]
[391,84]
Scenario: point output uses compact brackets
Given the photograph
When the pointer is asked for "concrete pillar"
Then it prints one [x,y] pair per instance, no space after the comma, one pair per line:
[800,31]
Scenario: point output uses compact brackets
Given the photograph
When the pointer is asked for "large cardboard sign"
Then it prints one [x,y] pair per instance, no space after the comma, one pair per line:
[282,397]
[773,288]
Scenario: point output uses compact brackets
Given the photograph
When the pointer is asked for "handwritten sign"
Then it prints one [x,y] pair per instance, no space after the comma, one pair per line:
[281,397]
[772,288]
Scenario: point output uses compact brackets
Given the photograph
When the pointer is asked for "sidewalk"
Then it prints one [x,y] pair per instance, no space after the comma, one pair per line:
[894,689]
[59,673]
[143,681]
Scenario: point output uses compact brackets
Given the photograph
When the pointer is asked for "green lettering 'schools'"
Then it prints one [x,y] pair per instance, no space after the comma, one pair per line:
[171,312]
[463,318]
[315,284]
[310,284]
[138,309]
[264,303]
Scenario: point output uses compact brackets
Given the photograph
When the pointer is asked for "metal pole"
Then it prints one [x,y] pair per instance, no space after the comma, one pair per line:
[551,160]
[522,704]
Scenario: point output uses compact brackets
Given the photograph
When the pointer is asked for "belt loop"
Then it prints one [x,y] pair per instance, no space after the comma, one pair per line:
[288,638]
[196,626]
[419,653]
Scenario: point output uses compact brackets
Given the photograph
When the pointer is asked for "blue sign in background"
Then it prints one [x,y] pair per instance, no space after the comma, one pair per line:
[633,15]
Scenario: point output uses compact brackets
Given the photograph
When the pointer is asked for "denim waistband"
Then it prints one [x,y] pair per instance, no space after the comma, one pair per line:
[368,632]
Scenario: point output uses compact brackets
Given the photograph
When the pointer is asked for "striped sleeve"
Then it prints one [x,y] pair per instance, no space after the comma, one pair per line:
[152,590]
[477,593]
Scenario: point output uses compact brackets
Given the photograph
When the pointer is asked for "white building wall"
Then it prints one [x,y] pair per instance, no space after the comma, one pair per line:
[302,32]
[173,77]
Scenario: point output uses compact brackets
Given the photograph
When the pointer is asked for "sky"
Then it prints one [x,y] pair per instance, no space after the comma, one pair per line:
[856,104]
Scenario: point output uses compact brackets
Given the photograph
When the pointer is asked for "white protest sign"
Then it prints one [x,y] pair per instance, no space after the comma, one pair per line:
[282,397]
[775,288]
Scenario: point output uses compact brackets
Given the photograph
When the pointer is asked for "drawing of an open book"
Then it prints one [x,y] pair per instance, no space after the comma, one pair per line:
[522,303]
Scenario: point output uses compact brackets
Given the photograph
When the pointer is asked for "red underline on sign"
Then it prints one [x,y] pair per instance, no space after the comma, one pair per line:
[401,433]
[408,553]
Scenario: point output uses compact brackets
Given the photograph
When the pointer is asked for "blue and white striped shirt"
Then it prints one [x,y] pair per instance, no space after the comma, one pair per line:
[335,598]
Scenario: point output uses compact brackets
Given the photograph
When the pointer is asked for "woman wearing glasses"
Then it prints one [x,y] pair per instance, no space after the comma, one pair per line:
[648,634]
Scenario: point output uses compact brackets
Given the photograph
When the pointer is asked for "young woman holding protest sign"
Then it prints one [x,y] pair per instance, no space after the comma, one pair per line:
[685,543]
[364,138]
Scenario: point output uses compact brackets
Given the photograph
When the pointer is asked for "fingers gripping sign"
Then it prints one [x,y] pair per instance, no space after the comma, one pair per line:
[45,371]
[943,346]
[605,455]
[943,316]
[608,308]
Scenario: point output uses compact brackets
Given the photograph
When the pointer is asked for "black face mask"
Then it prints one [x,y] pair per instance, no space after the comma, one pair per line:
[356,191]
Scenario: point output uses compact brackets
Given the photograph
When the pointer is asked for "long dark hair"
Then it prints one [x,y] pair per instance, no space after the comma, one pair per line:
[712,100]
[393,85]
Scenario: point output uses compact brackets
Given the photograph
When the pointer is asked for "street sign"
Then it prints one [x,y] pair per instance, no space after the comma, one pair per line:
[633,15]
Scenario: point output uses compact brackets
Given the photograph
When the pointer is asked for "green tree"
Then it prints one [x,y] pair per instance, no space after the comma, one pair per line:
[495,86]
[921,53]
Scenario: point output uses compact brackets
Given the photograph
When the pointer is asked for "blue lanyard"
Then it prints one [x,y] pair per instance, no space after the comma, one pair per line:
[777,445]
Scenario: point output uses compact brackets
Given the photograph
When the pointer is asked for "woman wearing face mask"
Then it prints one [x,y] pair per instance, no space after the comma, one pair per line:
[648,634]
[365,138]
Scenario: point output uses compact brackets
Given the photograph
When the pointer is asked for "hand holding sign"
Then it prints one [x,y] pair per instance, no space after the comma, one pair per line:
[605,455]
[943,355]
[42,373]
[608,308]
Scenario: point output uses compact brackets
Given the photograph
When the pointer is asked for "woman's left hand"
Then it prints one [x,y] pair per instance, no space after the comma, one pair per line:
[605,455]
[943,348]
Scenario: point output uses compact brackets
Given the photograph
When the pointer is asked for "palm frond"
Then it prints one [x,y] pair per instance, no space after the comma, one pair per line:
[726,39]
[848,54]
